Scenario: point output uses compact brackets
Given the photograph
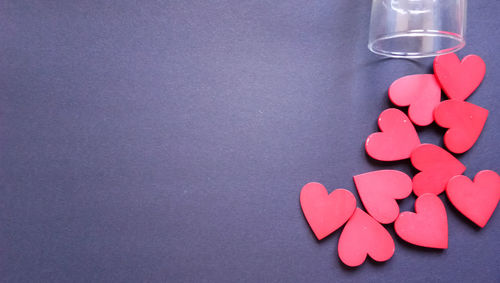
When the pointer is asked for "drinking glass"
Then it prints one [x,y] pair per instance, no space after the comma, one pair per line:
[417,28]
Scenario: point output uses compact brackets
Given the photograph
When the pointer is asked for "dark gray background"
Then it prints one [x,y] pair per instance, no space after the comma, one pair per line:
[147,141]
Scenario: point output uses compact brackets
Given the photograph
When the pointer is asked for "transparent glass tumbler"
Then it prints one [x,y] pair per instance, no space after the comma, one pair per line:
[417,28]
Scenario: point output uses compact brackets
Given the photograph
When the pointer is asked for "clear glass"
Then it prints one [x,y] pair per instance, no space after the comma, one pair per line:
[417,28]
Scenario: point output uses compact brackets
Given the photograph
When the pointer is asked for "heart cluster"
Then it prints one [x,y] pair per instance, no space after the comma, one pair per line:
[440,170]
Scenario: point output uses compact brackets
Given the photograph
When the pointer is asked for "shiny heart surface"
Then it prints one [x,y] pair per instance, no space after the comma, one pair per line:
[362,236]
[465,122]
[397,139]
[421,93]
[428,226]
[378,190]
[475,200]
[437,166]
[325,212]
[459,79]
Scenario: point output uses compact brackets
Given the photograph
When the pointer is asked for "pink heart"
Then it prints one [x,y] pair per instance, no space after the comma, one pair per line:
[465,122]
[325,212]
[476,200]
[379,190]
[459,79]
[397,139]
[421,92]
[437,166]
[428,227]
[362,236]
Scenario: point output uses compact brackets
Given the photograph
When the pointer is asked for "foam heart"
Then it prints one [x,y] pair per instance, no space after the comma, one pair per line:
[476,200]
[420,92]
[465,122]
[325,212]
[459,79]
[428,227]
[397,139]
[362,236]
[437,166]
[379,190]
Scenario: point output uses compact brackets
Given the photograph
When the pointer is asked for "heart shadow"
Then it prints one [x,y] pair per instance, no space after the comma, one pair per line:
[368,260]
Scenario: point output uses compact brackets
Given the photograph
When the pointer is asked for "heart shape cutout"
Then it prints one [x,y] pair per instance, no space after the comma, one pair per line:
[428,227]
[421,93]
[325,212]
[397,139]
[437,166]
[362,236]
[378,190]
[475,200]
[465,122]
[459,79]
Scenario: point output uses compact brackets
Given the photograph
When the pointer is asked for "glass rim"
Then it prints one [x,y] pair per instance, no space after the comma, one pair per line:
[459,39]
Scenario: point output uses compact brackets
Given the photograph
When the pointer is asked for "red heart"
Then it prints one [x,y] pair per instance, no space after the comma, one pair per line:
[476,200]
[362,236]
[459,79]
[428,227]
[397,139]
[379,190]
[437,166]
[325,212]
[421,92]
[465,122]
